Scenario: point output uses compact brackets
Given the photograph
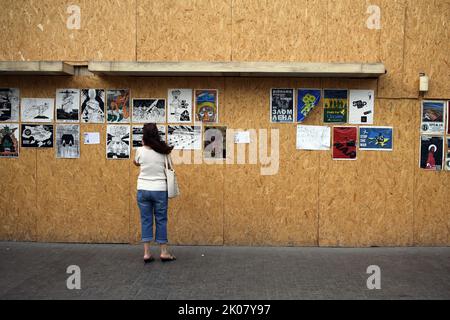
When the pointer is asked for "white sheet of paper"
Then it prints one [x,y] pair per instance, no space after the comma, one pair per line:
[313,137]
[242,137]
[92,138]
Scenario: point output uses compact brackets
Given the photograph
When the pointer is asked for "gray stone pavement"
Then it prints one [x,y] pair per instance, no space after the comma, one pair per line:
[38,271]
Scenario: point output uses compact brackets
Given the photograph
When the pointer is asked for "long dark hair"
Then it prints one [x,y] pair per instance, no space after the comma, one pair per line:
[152,139]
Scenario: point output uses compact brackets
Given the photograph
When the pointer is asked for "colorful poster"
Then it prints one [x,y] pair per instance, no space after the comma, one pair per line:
[335,105]
[431,152]
[138,132]
[36,136]
[206,105]
[67,141]
[67,105]
[448,117]
[282,105]
[9,104]
[37,110]
[117,141]
[93,105]
[149,111]
[344,143]
[313,137]
[185,137]
[118,105]
[215,143]
[433,117]
[9,140]
[361,106]
[447,160]
[376,138]
[179,103]
[307,100]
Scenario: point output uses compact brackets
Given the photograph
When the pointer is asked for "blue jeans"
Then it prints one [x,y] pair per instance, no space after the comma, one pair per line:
[153,203]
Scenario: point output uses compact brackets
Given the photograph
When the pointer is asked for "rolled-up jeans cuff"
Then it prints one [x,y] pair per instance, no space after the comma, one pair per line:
[144,240]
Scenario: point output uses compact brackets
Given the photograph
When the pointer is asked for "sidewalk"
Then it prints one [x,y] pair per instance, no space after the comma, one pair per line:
[38,271]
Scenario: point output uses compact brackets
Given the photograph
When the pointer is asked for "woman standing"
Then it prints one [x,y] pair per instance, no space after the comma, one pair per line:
[152,191]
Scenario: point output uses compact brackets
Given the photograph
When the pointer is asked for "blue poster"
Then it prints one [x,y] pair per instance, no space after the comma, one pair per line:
[307,100]
[376,138]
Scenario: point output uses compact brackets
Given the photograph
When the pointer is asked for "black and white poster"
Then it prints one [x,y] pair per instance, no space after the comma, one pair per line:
[149,110]
[282,105]
[37,136]
[179,103]
[67,105]
[117,141]
[67,141]
[37,110]
[185,137]
[215,142]
[361,106]
[138,133]
[93,105]
[9,104]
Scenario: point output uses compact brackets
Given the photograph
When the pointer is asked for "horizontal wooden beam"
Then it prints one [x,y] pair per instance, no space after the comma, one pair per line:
[35,68]
[239,69]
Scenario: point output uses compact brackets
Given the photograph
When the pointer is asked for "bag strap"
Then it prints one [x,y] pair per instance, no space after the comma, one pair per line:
[168,162]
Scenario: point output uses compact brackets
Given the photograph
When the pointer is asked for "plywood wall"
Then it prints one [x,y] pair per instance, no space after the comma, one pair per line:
[381,199]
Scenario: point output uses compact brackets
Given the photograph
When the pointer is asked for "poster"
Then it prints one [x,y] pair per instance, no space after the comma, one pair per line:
[138,132]
[9,140]
[37,136]
[67,141]
[215,143]
[117,141]
[448,117]
[282,105]
[447,160]
[118,105]
[206,105]
[376,138]
[361,106]
[67,105]
[185,137]
[242,137]
[313,137]
[307,100]
[93,105]
[335,106]
[91,137]
[433,117]
[149,110]
[344,143]
[37,110]
[431,152]
[9,104]
[179,102]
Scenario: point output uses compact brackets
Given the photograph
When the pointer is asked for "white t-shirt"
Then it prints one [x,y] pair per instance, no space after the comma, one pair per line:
[152,164]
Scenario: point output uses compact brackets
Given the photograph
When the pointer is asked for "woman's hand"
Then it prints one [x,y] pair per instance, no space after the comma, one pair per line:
[136,163]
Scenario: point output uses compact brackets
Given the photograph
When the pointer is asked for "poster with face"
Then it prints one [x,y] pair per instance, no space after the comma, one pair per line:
[431,152]
[9,140]
[36,136]
[117,141]
[344,143]
[282,105]
[361,106]
[67,105]
[9,104]
[307,100]
[206,105]
[335,105]
[179,102]
[93,105]
[433,117]
[118,105]
[215,143]
[376,138]
[149,110]
[37,110]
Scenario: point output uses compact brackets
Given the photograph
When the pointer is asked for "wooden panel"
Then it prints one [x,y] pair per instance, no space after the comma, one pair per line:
[284,30]
[37,30]
[184,30]
[427,47]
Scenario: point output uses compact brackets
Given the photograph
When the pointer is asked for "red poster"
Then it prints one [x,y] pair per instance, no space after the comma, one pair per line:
[344,143]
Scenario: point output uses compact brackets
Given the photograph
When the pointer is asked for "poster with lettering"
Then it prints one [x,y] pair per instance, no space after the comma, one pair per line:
[361,106]
[307,100]
[447,160]
[433,117]
[376,138]
[282,105]
[431,152]
[335,103]
[313,137]
[344,143]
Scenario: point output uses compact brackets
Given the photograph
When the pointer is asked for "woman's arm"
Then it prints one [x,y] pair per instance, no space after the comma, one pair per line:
[136,163]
